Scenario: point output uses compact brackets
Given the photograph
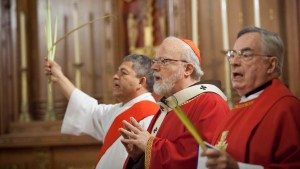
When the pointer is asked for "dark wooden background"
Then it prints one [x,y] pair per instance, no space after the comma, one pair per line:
[103,44]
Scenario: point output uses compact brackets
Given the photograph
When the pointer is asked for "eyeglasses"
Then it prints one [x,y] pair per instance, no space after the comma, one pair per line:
[245,54]
[162,61]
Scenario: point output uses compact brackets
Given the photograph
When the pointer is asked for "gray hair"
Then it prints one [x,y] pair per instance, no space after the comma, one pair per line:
[189,55]
[142,67]
[271,44]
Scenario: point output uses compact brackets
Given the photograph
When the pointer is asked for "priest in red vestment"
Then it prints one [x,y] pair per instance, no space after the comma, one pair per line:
[263,129]
[168,143]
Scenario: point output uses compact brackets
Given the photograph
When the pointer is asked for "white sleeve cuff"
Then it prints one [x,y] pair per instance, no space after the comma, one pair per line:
[249,166]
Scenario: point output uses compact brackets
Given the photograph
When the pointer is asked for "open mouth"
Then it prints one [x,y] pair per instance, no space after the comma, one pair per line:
[237,75]
[156,77]
[116,85]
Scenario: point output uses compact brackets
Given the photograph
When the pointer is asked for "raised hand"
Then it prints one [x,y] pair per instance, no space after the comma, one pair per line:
[135,138]
[53,70]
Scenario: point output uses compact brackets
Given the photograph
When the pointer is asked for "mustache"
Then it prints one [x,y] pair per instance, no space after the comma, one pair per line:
[156,75]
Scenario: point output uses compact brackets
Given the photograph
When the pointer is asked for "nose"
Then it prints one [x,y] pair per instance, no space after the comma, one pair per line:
[235,61]
[155,67]
[116,76]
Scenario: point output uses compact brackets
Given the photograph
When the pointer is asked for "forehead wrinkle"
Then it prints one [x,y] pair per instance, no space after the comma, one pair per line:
[126,66]
[249,40]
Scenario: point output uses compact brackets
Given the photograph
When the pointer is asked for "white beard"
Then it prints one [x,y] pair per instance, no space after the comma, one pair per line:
[165,85]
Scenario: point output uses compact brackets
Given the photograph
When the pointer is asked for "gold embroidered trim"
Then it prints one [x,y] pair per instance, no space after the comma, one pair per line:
[148,152]
[241,105]
[186,102]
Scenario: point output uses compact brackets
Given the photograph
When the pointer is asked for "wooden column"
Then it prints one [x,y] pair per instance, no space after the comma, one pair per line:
[9,103]
[292,22]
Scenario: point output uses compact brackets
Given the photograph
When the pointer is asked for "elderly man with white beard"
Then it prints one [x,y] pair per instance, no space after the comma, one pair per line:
[167,143]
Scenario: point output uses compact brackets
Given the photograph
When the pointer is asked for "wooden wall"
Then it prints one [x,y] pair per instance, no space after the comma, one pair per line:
[103,44]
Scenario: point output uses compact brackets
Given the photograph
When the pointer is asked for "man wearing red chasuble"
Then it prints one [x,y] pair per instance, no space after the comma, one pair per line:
[263,129]
[168,143]
[132,83]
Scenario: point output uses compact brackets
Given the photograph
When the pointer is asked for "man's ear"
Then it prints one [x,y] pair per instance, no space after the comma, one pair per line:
[189,68]
[143,81]
[272,66]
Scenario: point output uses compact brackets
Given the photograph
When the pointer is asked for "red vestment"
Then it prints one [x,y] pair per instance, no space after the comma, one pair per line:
[174,147]
[266,130]
[137,111]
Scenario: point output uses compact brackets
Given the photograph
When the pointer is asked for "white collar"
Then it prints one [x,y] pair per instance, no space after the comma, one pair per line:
[251,97]
[191,92]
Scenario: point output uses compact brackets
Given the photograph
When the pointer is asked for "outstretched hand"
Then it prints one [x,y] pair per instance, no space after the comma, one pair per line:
[135,138]
[53,70]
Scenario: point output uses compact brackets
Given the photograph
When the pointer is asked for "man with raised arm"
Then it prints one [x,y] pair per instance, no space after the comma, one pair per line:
[133,83]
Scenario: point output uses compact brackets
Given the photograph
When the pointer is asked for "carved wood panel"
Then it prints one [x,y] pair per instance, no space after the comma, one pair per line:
[143,24]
